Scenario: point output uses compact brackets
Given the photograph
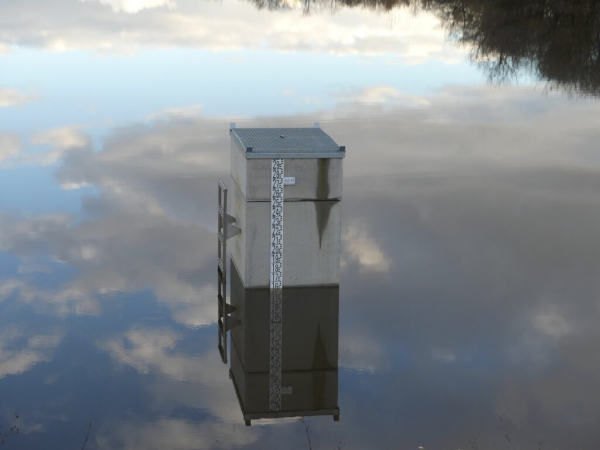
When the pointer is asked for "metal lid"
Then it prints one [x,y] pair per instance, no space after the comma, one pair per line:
[275,143]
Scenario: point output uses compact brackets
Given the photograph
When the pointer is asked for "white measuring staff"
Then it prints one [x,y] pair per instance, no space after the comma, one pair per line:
[276,284]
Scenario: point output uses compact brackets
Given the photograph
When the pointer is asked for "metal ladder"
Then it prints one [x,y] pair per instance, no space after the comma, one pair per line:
[225,230]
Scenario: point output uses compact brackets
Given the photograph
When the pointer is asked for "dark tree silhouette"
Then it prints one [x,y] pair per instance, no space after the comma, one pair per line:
[13,429]
[558,41]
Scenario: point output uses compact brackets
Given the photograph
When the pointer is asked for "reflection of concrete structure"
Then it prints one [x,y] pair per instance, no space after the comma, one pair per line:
[284,226]
[309,351]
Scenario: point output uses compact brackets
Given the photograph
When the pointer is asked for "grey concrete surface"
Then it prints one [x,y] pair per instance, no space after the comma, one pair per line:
[311,241]
[312,390]
[316,179]
[309,349]
[310,326]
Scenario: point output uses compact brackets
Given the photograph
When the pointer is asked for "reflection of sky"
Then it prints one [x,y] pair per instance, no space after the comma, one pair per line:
[114,63]
[123,67]
[457,301]
[112,89]
[469,270]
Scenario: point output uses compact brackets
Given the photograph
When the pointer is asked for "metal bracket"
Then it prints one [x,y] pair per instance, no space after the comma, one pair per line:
[231,322]
[229,308]
[232,230]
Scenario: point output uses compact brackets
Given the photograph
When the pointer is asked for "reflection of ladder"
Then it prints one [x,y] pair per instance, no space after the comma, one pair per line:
[225,230]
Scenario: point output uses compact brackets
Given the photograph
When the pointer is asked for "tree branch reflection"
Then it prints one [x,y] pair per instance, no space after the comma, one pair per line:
[556,41]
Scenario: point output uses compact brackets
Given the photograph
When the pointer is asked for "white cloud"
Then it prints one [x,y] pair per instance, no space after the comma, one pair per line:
[360,352]
[59,141]
[474,253]
[73,186]
[176,434]
[445,133]
[385,94]
[178,378]
[152,349]
[55,143]
[69,299]
[9,146]
[361,247]
[135,6]
[20,351]
[196,380]
[227,25]
[62,138]
[197,309]
[552,324]
[7,287]
[12,97]
[106,253]
[183,112]
[147,177]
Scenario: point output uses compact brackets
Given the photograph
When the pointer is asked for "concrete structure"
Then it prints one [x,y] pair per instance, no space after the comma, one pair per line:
[311,240]
[282,226]
[309,353]
[310,155]
[312,207]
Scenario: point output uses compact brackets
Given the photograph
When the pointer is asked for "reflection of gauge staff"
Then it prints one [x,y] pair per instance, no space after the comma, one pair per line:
[297,171]
[276,283]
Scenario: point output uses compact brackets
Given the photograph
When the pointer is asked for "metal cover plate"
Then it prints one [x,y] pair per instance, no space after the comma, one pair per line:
[275,143]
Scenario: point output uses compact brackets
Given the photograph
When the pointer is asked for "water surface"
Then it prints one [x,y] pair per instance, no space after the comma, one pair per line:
[469,294]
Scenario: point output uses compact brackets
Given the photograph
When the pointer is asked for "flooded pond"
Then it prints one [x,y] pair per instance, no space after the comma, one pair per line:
[467,311]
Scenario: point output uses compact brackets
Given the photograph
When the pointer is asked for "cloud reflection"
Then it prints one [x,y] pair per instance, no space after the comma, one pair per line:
[176,434]
[20,350]
[130,25]
[10,147]
[147,349]
[134,6]
[152,222]
[58,141]
[180,379]
[364,249]
[470,278]
[13,97]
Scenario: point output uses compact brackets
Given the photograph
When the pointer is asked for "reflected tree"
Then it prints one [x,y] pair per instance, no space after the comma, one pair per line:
[558,41]
[13,429]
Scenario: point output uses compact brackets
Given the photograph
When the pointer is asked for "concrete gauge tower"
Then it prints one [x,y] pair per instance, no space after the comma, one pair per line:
[281,221]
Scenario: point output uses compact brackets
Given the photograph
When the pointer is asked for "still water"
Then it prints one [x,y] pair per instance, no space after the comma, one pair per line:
[469,300]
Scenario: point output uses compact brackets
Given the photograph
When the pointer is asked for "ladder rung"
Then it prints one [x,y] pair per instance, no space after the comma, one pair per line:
[222,185]
[223,354]
[220,237]
[221,212]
